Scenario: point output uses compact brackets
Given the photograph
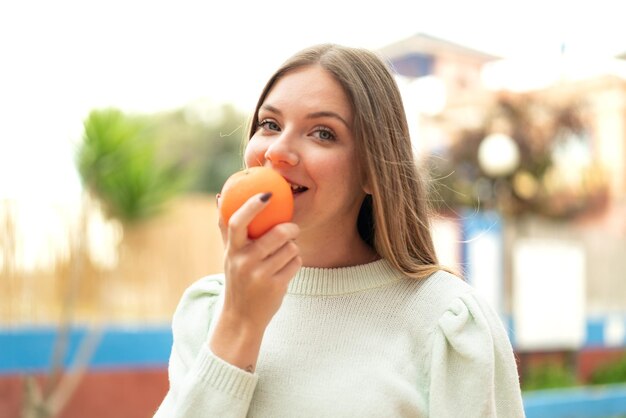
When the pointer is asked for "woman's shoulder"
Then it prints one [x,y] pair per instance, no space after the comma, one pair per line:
[428,299]
[197,302]
[207,287]
[445,297]
[458,308]
[469,345]
[442,287]
[192,317]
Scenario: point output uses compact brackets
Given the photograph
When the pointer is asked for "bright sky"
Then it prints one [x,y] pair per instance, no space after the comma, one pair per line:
[59,59]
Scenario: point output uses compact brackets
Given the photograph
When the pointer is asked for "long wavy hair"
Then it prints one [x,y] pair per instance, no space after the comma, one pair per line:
[395,218]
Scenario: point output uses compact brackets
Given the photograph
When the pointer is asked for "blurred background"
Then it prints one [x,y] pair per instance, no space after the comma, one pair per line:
[121,120]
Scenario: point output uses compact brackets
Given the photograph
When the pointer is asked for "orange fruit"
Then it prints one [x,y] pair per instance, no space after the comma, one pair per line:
[244,184]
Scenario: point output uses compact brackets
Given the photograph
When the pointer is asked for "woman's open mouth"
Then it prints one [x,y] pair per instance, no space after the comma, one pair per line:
[297,189]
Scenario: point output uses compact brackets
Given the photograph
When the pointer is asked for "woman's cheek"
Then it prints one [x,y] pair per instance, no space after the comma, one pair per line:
[253,154]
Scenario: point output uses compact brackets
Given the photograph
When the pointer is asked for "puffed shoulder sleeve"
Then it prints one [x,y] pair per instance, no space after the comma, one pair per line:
[473,370]
[201,384]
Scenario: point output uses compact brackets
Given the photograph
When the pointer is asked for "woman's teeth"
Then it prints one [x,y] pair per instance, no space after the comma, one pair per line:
[297,189]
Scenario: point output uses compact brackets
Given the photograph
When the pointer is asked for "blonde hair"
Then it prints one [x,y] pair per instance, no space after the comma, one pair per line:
[394,219]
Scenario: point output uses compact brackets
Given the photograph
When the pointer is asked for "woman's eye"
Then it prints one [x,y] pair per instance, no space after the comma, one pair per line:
[269,125]
[325,134]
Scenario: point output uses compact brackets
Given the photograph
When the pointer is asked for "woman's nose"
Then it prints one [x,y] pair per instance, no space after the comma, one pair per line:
[282,151]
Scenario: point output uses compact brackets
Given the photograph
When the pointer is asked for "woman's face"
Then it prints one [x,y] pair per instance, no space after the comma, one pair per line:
[305,133]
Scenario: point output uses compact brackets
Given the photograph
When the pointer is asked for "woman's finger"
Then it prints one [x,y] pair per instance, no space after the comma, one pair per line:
[237,227]
[280,257]
[275,238]
[220,221]
[284,275]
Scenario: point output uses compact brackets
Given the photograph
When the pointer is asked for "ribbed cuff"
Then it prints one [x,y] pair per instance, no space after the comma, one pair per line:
[224,376]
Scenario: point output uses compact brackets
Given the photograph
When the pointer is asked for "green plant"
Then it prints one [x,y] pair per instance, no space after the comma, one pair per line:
[548,376]
[119,163]
[613,372]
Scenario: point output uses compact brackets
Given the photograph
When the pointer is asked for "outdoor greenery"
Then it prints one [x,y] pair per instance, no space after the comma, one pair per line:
[134,164]
[613,372]
[549,376]
[118,161]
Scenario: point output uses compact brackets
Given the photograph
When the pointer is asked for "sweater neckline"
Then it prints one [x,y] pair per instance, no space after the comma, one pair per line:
[316,281]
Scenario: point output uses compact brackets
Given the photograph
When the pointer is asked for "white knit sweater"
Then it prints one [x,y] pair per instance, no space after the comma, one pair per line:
[361,341]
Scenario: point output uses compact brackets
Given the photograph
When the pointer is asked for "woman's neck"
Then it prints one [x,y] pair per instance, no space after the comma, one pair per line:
[334,250]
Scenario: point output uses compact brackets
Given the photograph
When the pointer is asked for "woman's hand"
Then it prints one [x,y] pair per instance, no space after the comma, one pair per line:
[257,275]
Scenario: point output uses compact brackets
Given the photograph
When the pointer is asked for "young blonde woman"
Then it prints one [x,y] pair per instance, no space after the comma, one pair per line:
[344,312]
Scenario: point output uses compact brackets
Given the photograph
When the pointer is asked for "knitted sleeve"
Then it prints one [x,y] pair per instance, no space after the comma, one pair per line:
[473,370]
[201,384]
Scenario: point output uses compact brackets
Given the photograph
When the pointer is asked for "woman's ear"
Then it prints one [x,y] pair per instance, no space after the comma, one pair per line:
[366,187]
[365,182]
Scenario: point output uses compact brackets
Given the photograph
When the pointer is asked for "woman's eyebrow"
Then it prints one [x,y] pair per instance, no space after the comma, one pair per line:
[314,115]
[271,109]
[328,114]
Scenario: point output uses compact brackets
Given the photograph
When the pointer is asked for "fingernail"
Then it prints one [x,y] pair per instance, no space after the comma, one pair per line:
[266,196]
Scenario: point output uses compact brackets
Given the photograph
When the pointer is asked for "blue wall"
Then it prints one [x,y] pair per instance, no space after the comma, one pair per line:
[29,349]
[586,402]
